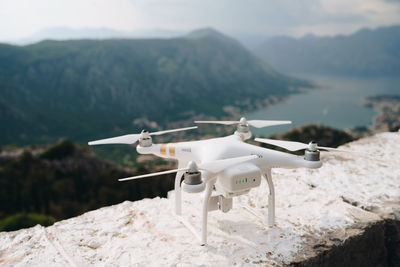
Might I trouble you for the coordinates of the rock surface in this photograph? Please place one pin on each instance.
(346, 212)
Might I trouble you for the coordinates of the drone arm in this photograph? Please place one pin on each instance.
(299, 161)
(159, 150)
(277, 159)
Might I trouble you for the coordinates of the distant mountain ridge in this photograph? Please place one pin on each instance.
(86, 89)
(366, 52)
(66, 33)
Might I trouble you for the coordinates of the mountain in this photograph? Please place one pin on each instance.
(66, 33)
(365, 53)
(87, 89)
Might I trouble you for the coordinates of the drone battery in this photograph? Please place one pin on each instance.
(239, 178)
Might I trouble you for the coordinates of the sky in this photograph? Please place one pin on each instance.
(23, 18)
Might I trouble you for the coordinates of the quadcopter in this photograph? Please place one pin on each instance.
(224, 167)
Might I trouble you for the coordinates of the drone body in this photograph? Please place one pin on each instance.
(222, 168)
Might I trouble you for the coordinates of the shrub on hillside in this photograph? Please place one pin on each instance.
(59, 151)
(25, 220)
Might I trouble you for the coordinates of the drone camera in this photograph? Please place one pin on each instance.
(219, 202)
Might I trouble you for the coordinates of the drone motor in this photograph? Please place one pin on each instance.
(312, 153)
(243, 129)
(145, 139)
(192, 182)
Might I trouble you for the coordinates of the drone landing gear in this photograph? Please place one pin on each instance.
(206, 199)
(189, 226)
(178, 192)
(271, 204)
(178, 208)
(271, 198)
(254, 213)
(207, 206)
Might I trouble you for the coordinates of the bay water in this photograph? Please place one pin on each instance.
(336, 101)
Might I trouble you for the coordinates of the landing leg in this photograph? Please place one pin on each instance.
(178, 193)
(271, 199)
(207, 195)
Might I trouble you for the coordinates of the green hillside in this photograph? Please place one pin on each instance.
(64, 180)
(88, 89)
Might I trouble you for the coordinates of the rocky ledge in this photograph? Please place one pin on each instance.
(345, 213)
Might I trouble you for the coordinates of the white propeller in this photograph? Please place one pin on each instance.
(254, 123)
(133, 138)
(215, 166)
(151, 174)
(294, 146)
(266, 123)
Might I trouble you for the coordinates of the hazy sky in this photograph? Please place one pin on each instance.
(22, 18)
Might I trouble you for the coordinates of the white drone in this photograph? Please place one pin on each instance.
(223, 167)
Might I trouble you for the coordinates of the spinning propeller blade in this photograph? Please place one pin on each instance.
(289, 145)
(218, 122)
(214, 166)
(174, 130)
(124, 139)
(254, 123)
(133, 138)
(295, 146)
(151, 174)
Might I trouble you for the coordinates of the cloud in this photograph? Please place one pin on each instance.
(21, 18)
(345, 17)
(271, 17)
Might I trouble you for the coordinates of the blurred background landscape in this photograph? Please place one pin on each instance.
(76, 71)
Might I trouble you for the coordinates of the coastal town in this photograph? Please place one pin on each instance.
(388, 108)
